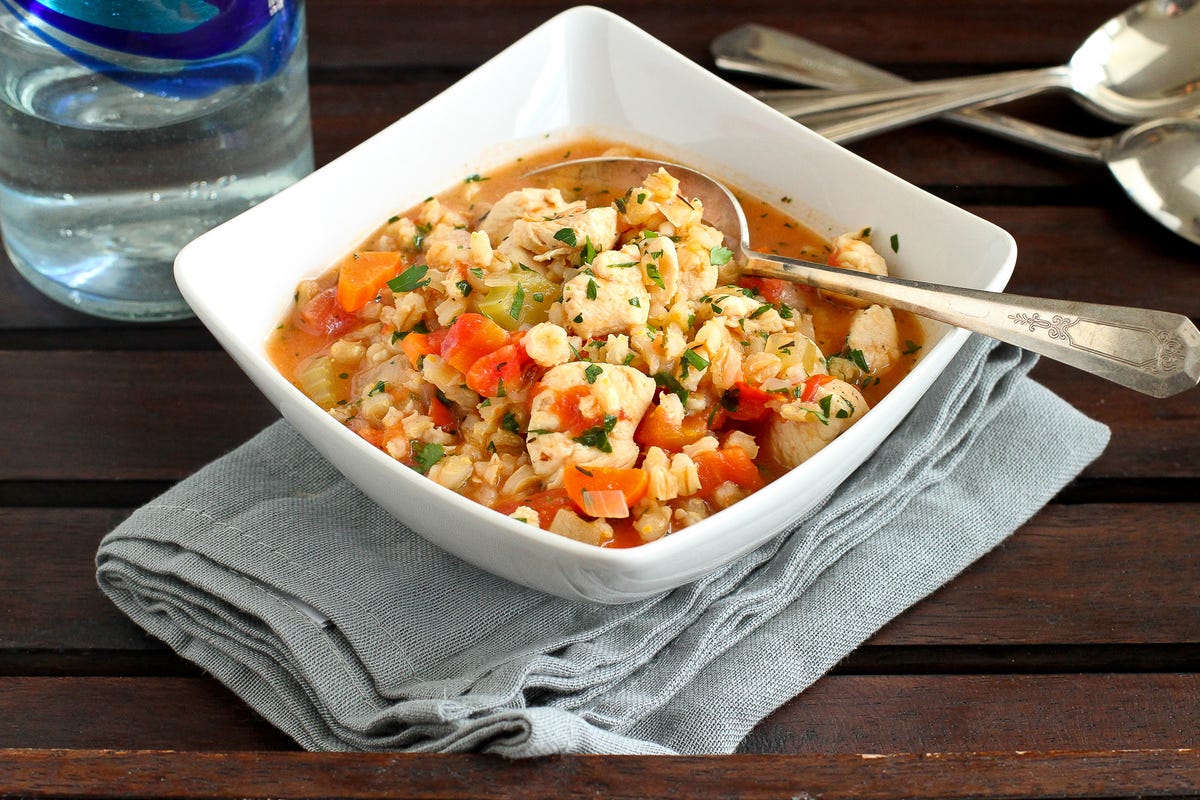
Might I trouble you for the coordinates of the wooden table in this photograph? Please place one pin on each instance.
(1064, 664)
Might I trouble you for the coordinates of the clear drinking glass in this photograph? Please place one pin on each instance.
(129, 127)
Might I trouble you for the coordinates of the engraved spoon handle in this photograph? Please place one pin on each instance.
(1154, 352)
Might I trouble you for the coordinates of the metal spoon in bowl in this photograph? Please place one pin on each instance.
(1155, 163)
(1139, 65)
(1154, 352)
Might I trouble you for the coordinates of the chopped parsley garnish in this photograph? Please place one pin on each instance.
(566, 236)
(636, 302)
(719, 255)
(895, 243)
(518, 301)
(592, 371)
(377, 388)
(419, 236)
(859, 360)
(578, 319)
(509, 423)
(393, 219)
(785, 311)
(477, 272)
(695, 359)
(653, 274)
(412, 278)
(758, 312)
(591, 289)
(910, 347)
(474, 178)
(668, 381)
(641, 198)
(464, 287)
(426, 454)
(597, 436)
(589, 251)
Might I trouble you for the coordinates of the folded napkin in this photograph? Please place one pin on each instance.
(349, 632)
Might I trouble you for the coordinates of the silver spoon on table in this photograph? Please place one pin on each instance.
(1141, 64)
(1154, 352)
(1156, 163)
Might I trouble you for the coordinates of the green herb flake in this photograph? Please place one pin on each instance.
(636, 302)
(592, 371)
(895, 243)
(419, 236)
(589, 251)
(392, 219)
(474, 178)
(464, 287)
(509, 423)
(477, 272)
(377, 388)
(653, 274)
(641, 198)
(597, 436)
(859, 360)
(695, 359)
(758, 312)
(591, 289)
(518, 301)
(668, 381)
(720, 256)
(412, 278)
(910, 347)
(566, 236)
(425, 455)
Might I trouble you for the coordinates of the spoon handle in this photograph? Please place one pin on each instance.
(1154, 352)
(964, 91)
(768, 52)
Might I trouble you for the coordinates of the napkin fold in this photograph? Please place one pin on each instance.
(349, 632)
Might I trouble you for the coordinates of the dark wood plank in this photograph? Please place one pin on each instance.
(839, 714)
(130, 713)
(414, 35)
(939, 713)
(122, 773)
(1118, 575)
(123, 415)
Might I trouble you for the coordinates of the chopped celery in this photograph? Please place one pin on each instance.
(519, 297)
(319, 380)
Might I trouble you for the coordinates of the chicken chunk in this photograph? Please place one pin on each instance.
(606, 299)
(545, 238)
(585, 414)
(851, 252)
(873, 333)
(802, 429)
(526, 203)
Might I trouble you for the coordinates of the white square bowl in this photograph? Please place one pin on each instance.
(583, 73)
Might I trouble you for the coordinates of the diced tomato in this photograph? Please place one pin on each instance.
(770, 289)
(745, 402)
(323, 316)
(605, 491)
(471, 337)
(566, 408)
(814, 382)
(546, 504)
(441, 415)
(730, 464)
(657, 430)
(501, 369)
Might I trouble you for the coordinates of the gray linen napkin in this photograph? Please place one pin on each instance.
(349, 632)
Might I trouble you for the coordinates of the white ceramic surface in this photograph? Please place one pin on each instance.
(584, 72)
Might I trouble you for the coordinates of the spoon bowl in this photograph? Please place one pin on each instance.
(1142, 64)
(1154, 162)
(1154, 352)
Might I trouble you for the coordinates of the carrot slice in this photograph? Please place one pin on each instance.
(362, 275)
(657, 430)
(605, 491)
